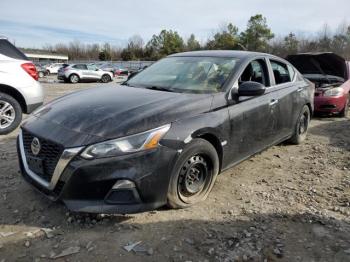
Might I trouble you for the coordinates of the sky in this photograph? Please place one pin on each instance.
(37, 23)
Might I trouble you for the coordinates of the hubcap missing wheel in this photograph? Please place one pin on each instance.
(193, 176)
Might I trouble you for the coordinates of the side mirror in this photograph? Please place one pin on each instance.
(251, 88)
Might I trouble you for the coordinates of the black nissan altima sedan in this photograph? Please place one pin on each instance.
(163, 136)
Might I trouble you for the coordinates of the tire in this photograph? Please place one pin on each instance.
(74, 78)
(41, 74)
(47, 72)
(12, 116)
(105, 78)
(345, 111)
(193, 175)
(301, 126)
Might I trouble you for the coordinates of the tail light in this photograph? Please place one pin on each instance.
(31, 70)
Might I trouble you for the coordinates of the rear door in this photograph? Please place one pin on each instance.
(287, 94)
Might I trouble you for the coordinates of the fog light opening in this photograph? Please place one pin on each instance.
(124, 184)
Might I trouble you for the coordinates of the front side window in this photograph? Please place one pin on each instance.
(280, 72)
(186, 74)
(92, 67)
(256, 71)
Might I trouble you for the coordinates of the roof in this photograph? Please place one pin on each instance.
(220, 53)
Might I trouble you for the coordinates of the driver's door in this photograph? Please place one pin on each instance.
(252, 119)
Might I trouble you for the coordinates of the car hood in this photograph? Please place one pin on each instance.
(320, 63)
(112, 112)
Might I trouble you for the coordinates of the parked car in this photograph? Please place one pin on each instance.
(20, 91)
(41, 70)
(330, 73)
(84, 72)
(53, 68)
(115, 69)
(163, 136)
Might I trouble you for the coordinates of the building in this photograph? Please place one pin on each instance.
(44, 56)
(47, 57)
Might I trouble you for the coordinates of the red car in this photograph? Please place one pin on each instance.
(330, 73)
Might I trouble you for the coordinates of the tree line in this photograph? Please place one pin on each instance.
(257, 36)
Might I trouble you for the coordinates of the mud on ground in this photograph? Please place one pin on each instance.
(289, 203)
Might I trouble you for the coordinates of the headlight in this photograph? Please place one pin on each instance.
(334, 92)
(129, 144)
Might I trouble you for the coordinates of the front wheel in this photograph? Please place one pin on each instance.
(41, 74)
(10, 114)
(105, 79)
(193, 175)
(301, 127)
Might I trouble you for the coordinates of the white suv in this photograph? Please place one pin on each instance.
(53, 68)
(84, 72)
(20, 90)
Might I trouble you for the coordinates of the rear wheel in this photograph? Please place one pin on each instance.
(10, 114)
(345, 111)
(41, 74)
(74, 78)
(105, 78)
(301, 126)
(47, 72)
(193, 175)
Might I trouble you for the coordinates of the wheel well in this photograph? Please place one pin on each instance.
(212, 139)
(310, 108)
(15, 94)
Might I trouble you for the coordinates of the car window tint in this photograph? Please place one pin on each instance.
(280, 72)
(9, 50)
(92, 67)
(82, 67)
(256, 71)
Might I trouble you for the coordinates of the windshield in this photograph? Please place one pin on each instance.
(186, 74)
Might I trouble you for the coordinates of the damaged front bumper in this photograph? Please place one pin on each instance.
(126, 184)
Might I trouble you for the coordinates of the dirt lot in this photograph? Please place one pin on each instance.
(290, 203)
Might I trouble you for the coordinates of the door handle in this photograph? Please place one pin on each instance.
(300, 89)
(273, 102)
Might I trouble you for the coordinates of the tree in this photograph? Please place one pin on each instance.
(257, 35)
(134, 50)
(227, 38)
(166, 43)
(192, 44)
(105, 53)
(291, 44)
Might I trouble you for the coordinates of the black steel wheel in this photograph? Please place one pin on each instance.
(301, 126)
(194, 174)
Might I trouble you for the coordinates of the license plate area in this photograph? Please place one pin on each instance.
(36, 165)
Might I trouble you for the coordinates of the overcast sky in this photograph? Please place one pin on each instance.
(38, 22)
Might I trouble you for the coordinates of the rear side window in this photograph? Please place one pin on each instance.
(280, 72)
(9, 50)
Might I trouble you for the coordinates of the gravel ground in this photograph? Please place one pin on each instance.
(289, 203)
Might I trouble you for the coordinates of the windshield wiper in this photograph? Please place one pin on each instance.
(159, 88)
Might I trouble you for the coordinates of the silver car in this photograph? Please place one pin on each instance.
(83, 72)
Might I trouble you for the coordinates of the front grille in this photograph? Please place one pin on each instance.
(50, 154)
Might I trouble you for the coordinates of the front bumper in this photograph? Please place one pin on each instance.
(329, 104)
(87, 185)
